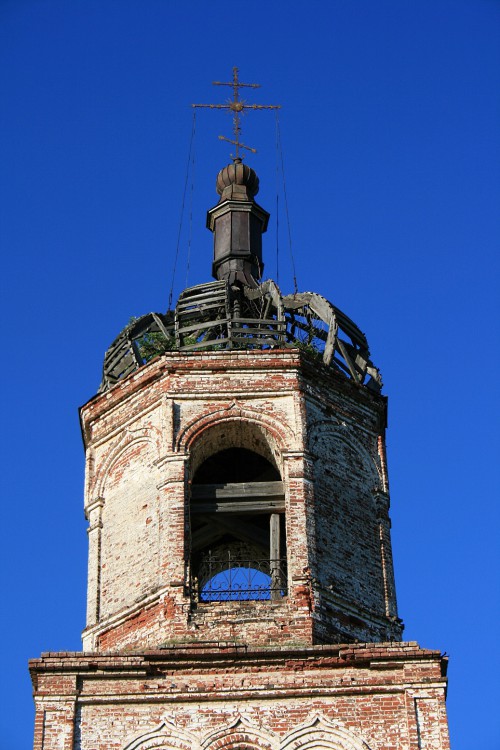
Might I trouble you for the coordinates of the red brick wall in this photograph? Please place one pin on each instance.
(388, 696)
(146, 437)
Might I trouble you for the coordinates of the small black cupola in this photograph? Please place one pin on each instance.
(237, 223)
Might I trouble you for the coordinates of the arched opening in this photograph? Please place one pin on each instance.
(237, 518)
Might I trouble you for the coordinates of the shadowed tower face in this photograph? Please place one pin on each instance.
(240, 578)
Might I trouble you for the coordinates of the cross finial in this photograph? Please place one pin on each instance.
(237, 106)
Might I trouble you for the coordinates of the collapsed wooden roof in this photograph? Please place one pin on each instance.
(219, 316)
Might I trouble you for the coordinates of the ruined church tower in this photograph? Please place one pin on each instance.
(240, 578)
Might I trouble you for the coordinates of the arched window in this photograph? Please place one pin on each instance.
(238, 546)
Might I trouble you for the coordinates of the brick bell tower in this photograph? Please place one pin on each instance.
(240, 581)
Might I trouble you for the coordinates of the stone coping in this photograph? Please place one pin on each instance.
(203, 651)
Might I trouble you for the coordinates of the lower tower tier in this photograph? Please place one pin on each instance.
(217, 696)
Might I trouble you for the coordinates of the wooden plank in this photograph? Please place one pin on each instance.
(331, 340)
(295, 301)
(321, 307)
(210, 294)
(231, 490)
(201, 315)
(274, 555)
(200, 304)
(259, 321)
(253, 505)
(203, 290)
(200, 326)
(340, 365)
(350, 364)
(204, 344)
(256, 330)
(274, 532)
(252, 341)
(308, 328)
(205, 285)
(351, 329)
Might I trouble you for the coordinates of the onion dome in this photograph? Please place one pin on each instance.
(237, 181)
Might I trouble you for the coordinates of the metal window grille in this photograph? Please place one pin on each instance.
(224, 577)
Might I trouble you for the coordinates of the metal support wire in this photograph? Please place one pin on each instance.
(277, 201)
(193, 131)
(280, 149)
(190, 233)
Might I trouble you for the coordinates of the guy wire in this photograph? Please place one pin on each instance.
(190, 234)
(277, 202)
(193, 130)
(286, 205)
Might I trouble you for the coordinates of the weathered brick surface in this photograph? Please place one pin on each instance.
(162, 671)
(387, 696)
(145, 439)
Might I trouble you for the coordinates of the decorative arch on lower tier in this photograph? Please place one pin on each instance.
(320, 734)
(166, 736)
(240, 734)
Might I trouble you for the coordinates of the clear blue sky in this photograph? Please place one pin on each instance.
(390, 133)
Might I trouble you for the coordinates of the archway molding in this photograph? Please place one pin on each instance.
(240, 734)
(338, 432)
(115, 453)
(231, 427)
(320, 734)
(166, 736)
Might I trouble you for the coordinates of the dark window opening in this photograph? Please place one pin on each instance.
(236, 465)
(238, 544)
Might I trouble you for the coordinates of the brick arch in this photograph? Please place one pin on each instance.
(241, 734)
(320, 734)
(233, 427)
(339, 433)
(166, 736)
(115, 453)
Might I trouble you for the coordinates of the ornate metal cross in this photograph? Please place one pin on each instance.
(237, 106)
